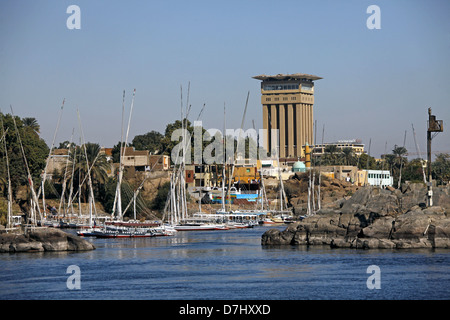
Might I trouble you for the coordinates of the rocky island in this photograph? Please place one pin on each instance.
(374, 218)
(42, 239)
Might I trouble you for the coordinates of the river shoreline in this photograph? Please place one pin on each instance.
(374, 218)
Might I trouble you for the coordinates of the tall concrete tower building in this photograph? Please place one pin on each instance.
(287, 101)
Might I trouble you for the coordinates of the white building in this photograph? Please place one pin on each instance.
(380, 178)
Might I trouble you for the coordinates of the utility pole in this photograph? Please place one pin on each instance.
(433, 126)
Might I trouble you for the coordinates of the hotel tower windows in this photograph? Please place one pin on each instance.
(287, 101)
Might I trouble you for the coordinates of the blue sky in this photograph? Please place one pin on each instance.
(376, 83)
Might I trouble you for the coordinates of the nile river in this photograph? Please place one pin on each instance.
(223, 265)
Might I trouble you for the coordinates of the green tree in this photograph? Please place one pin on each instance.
(35, 149)
(36, 152)
(32, 123)
(399, 162)
(66, 145)
(98, 172)
(400, 153)
(440, 168)
(413, 171)
(167, 143)
(367, 162)
(116, 152)
(108, 193)
(3, 212)
(348, 156)
(331, 154)
(161, 196)
(389, 162)
(151, 141)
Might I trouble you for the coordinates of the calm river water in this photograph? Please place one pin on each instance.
(223, 265)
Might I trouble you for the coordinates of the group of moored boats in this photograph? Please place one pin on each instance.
(176, 207)
(197, 222)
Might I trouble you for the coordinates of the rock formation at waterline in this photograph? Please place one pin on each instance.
(43, 239)
(374, 218)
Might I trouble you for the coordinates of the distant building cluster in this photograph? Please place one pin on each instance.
(287, 108)
(356, 146)
(133, 160)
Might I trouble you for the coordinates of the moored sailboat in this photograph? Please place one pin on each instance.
(118, 228)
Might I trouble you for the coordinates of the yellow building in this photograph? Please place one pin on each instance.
(246, 175)
(320, 149)
(288, 101)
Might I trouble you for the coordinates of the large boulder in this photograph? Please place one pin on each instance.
(429, 228)
(275, 237)
(372, 199)
(412, 194)
(357, 201)
(375, 218)
(315, 230)
(43, 239)
(441, 197)
(381, 229)
(18, 243)
(383, 203)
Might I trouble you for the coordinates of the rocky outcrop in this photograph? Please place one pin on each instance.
(43, 239)
(373, 218)
(333, 192)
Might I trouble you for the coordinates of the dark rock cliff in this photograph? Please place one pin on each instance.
(374, 218)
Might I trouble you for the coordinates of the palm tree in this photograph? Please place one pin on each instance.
(331, 154)
(389, 160)
(366, 162)
(400, 160)
(99, 166)
(399, 152)
(348, 156)
(32, 124)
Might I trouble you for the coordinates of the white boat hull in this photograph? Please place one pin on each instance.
(199, 227)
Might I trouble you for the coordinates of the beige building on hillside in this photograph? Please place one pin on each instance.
(57, 163)
(288, 101)
(142, 160)
(320, 149)
(135, 158)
